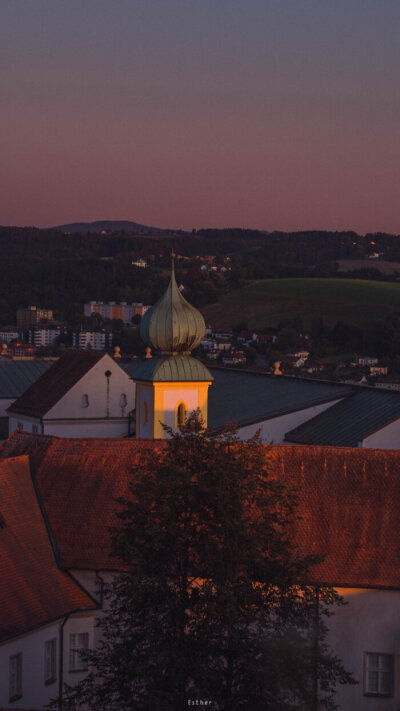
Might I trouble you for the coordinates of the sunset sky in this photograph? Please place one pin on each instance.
(272, 114)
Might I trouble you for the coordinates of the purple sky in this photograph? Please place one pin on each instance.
(273, 114)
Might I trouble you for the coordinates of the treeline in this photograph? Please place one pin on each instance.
(63, 271)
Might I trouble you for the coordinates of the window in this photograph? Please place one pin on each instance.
(85, 401)
(378, 679)
(15, 679)
(123, 401)
(181, 414)
(50, 661)
(145, 413)
(20, 425)
(35, 429)
(78, 643)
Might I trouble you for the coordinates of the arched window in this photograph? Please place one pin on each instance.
(123, 401)
(181, 414)
(145, 413)
(85, 401)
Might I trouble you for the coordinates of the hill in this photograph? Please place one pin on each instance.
(106, 226)
(265, 303)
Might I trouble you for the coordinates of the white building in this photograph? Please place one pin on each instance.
(141, 263)
(84, 394)
(43, 335)
(123, 311)
(98, 339)
(9, 333)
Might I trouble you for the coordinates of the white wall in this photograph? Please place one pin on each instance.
(146, 395)
(35, 693)
(173, 397)
(386, 438)
(369, 623)
(4, 403)
(117, 427)
(275, 429)
(94, 384)
(87, 428)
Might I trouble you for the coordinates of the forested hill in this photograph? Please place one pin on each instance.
(62, 271)
(107, 226)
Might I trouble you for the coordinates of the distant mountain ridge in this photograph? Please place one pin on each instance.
(106, 226)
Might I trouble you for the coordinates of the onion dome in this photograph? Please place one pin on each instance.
(172, 326)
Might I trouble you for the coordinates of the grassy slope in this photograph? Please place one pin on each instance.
(266, 302)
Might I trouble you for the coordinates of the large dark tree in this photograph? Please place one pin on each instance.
(213, 604)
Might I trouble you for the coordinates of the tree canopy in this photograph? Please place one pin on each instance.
(213, 602)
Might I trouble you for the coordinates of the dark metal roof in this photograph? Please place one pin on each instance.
(248, 397)
(350, 421)
(172, 369)
(16, 376)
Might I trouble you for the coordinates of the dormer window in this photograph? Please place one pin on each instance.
(85, 401)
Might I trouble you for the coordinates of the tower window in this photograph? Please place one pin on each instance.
(85, 401)
(181, 414)
(123, 400)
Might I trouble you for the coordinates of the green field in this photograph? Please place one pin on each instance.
(265, 303)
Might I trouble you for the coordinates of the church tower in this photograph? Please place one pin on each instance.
(170, 383)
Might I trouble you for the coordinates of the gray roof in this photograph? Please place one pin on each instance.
(348, 422)
(16, 376)
(182, 368)
(248, 397)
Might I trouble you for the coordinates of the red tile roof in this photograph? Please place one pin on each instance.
(55, 383)
(349, 502)
(33, 590)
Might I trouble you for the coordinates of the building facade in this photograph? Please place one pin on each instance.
(123, 311)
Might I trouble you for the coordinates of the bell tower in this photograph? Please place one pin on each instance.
(170, 383)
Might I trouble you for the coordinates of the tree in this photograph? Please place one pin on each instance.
(211, 603)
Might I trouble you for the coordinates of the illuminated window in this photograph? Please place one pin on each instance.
(378, 678)
(85, 401)
(145, 413)
(181, 414)
(78, 643)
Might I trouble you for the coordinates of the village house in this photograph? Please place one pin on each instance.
(367, 360)
(378, 370)
(83, 394)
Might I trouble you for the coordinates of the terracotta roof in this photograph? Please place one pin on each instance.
(33, 590)
(55, 383)
(349, 501)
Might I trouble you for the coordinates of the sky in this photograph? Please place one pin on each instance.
(266, 114)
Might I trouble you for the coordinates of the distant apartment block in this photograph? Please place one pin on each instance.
(97, 339)
(123, 311)
(44, 334)
(32, 315)
(9, 333)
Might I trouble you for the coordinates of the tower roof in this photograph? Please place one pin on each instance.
(172, 326)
